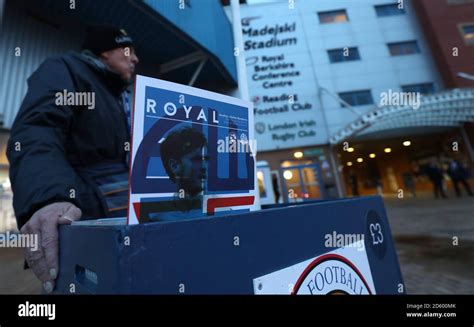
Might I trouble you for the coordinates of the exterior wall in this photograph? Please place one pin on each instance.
(440, 21)
(377, 70)
(36, 39)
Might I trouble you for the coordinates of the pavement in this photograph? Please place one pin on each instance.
(13, 278)
(425, 231)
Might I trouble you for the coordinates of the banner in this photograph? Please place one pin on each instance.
(193, 153)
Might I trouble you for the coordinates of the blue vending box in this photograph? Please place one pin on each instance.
(330, 247)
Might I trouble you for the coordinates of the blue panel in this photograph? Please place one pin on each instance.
(201, 254)
(162, 32)
(206, 22)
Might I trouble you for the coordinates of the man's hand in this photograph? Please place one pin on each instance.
(44, 223)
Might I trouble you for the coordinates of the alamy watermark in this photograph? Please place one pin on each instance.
(17, 240)
(339, 240)
(28, 309)
(83, 99)
(233, 145)
(394, 98)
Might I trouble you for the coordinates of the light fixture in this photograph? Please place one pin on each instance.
(372, 155)
(406, 143)
(387, 150)
(349, 163)
(360, 160)
(298, 154)
(260, 175)
(288, 175)
(350, 149)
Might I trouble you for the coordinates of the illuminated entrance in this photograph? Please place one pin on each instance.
(399, 149)
(301, 182)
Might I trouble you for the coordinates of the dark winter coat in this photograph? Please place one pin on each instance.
(51, 144)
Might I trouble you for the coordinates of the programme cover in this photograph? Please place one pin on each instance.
(193, 153)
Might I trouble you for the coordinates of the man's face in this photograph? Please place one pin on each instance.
(121, 61)
(191, 171)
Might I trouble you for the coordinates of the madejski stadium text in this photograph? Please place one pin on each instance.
(273, 31)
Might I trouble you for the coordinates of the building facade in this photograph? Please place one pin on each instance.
(314, 69)
(449, 29)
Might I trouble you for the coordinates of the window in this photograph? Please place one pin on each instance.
(335, 16)
(424, 88)
(403, 48)
(389, 10)
(467, 33)
(357, 98)
(344, 54)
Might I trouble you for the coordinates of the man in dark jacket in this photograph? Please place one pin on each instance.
(69, 144)
(459, 175)
(435, 174)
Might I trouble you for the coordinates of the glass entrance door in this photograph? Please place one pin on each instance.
(302, 183)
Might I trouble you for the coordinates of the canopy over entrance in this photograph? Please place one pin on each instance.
(436, 112)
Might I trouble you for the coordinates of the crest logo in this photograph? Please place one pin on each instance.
(331, 274)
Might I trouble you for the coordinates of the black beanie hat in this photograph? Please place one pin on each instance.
(100, 38)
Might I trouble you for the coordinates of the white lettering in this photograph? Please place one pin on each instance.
(37, 310)
(150, 105)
